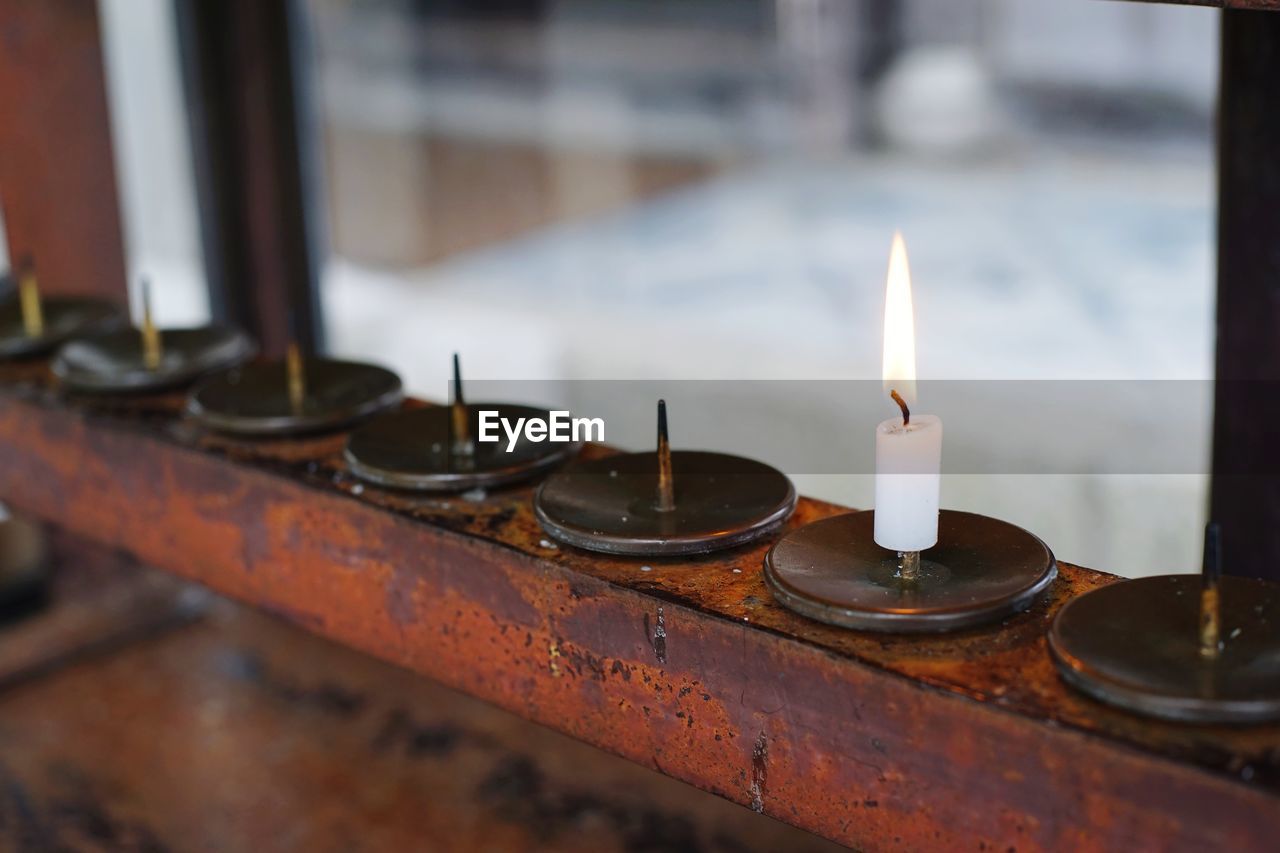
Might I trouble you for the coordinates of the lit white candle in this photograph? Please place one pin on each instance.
(908, 446)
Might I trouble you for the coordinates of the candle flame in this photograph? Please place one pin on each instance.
(899, 366)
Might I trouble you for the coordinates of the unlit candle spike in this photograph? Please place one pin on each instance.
(29, 300)
(152, 349)
(296, 373)
(1210, 603)
(462, 445)
(666, 487)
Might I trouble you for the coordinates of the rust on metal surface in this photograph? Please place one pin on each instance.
(273, 728)
(686, 666)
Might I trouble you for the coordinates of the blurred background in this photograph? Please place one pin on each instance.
(707, 189)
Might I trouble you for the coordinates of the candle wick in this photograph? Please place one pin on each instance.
(902, 404)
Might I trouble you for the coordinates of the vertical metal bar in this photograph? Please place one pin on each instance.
(243, 67)
(1246, 434)
(57, 172)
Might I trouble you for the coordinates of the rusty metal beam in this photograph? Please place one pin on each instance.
(57, 175)
(688, 667)
(335, 746)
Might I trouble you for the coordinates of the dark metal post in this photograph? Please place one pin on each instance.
(1246, 434)
(241, 66)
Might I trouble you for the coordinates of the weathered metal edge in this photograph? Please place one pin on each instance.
(839, 747)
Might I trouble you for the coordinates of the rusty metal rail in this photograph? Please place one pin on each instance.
(123, 745)
(687, 666)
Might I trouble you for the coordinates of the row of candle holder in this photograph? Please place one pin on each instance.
(1177, 647)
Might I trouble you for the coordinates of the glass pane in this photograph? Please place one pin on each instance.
(707, 189)
(153, 158)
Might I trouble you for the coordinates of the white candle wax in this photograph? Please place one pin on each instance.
(908, 477)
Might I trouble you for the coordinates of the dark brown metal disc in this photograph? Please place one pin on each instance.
(112, 362)
(411, 450)
(254, 400)
(982, 569)
(609, 504)
(1136, 644)
(65, 317)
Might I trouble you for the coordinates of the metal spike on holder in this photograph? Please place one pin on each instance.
(435, 449)
(148, 358)
(664, 502)
(33, 324)
(295, 395)
(1196, 649)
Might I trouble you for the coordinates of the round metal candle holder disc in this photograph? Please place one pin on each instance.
(254, 400)
(608, 504)
(64, 318)
(412, 450)
(113, 362)
(1136, 644)
(982, 569)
